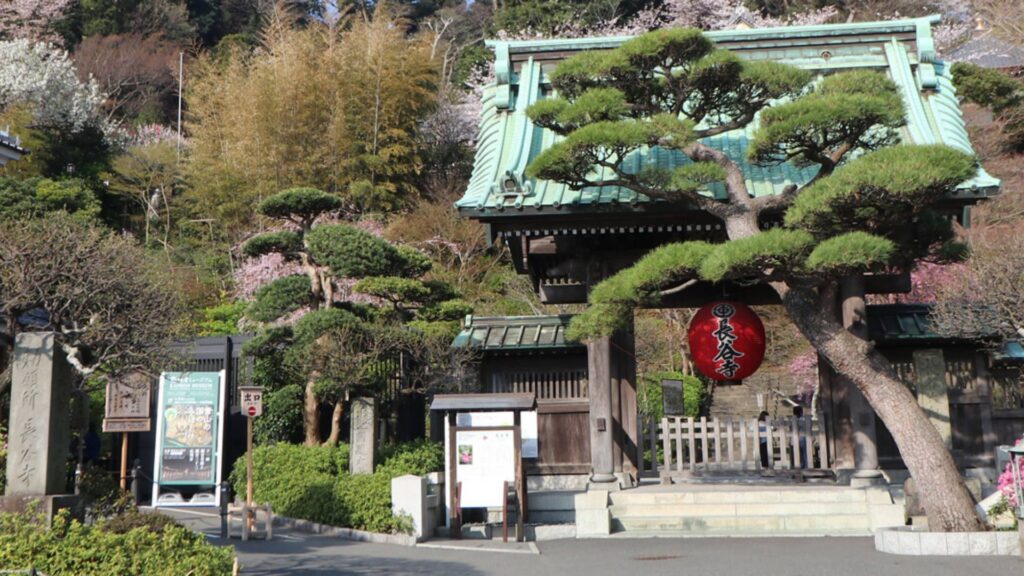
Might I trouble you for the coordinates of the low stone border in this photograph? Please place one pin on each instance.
(344, 533)
(907, 541)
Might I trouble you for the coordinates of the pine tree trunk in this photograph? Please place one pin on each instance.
(946, 501)
(311, 413)
(335, 437)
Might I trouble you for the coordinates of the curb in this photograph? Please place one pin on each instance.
(909, 542)
(344, 533)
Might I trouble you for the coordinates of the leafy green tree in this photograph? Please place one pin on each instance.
(997, 92)
(36, 196)
(340, 345)
(872, 211)
(549, 16)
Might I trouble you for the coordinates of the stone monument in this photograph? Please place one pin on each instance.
(38, 439)
(362, 440)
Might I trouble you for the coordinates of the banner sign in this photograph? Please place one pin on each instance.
(189, 430)
(484, 460)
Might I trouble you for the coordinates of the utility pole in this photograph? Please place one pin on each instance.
(181, 78)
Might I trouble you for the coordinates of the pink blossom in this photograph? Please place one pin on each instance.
(1005, 482)
(804, 370)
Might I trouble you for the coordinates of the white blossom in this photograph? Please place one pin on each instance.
(43, 76)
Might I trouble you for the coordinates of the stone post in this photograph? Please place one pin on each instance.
(862, 416)
(409, 498)
(932, 392)
(362, 438)
(39, 436)
(599, 364)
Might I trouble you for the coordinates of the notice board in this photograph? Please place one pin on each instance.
(485, 460)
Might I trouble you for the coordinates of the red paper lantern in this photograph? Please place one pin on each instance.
(726, 341)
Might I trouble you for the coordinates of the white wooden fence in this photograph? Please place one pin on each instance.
(678, 444)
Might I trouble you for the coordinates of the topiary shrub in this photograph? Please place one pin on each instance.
(280, 297)
(69, 548)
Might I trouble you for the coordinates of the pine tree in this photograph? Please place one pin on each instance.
(339, 345)
(871, 205)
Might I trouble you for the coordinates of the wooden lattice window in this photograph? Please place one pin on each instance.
(960, 370)
(547, 385)
(906, 372)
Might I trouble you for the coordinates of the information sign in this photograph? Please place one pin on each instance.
(484, 460)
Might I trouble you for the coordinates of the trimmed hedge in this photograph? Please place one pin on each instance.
(69, 548)
(313, 483)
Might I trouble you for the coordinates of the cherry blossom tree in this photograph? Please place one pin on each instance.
(43, 77)
(31, 19)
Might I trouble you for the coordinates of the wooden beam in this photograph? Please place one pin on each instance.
(887, 283)
(563, 293)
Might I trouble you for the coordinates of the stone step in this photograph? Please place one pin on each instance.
(820, 525)
(561, 500)
(752, 496)
(735, 510)
(536, 516)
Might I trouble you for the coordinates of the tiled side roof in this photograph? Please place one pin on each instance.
(901, 323)
(509, 141)
(10, 148)
(515, 333)
(910, 324)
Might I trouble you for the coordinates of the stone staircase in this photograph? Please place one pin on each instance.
(751, 511)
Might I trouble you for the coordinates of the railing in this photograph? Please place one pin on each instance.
(677, 445)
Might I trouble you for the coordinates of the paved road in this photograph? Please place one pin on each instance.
(297, 554)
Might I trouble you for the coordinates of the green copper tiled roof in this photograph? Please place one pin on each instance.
(508, 141)
(910, 324)
(901, 323)
(515, 333)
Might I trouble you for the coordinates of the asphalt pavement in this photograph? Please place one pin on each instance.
(296, 553)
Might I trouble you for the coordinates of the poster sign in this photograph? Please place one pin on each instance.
(527, 426)
(189, 428)
(127, 405)
(484, 460)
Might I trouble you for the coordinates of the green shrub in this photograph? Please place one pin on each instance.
(649, 396)
(131, 519)
(102, 495)
(313, 483)
(280, 297)
(69, 548)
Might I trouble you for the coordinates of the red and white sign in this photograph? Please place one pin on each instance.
(727, 340)
(251, 398)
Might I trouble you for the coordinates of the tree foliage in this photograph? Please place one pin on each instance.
(998, 92)
(869, 206)
(335, 108)
(38, 75)
(341, 346)
(113, 308)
